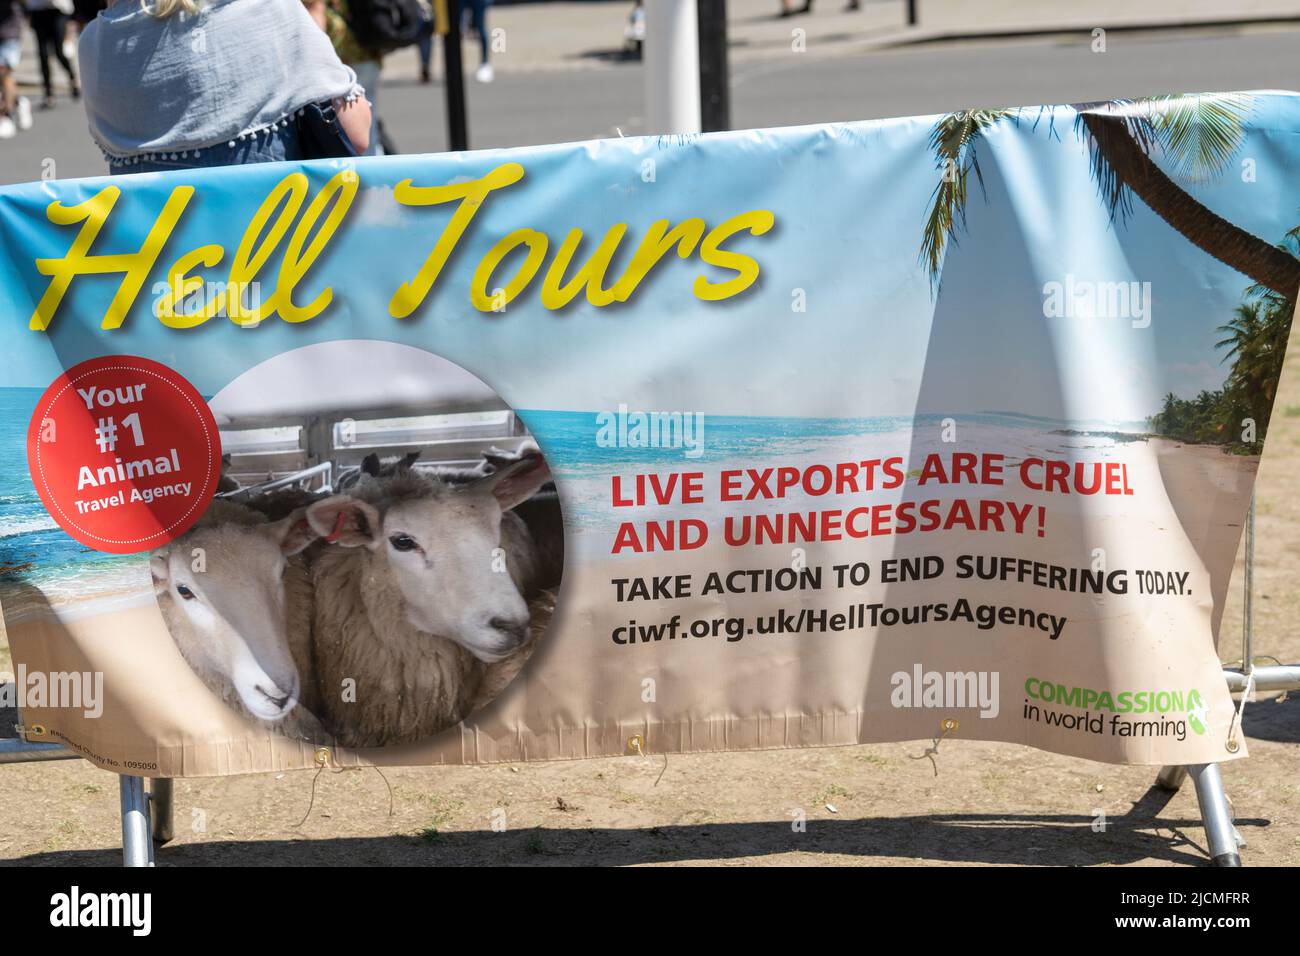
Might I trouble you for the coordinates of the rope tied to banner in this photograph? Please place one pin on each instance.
(323, 760)
(1282, 695)
(1232, 744)
(947, 726)
(635, 743)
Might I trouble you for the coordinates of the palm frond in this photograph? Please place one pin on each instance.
(1134, 121)
(1198, 134)
(1243, 331)
(953, 141)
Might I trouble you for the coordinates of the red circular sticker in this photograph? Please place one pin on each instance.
(124, 453)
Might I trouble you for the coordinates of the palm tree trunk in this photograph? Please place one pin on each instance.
(1248, 254)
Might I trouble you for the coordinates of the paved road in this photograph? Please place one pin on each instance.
(562, 105)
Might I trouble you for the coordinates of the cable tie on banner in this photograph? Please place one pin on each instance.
(948, 725)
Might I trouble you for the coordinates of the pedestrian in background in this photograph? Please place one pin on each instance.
(47, 20)
(154, 103)
(15, 111)
(424, 45)
(332, 17)
(477, 11)
(83, 11)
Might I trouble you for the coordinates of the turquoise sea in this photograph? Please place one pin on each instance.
(32, 547)
(569, 438)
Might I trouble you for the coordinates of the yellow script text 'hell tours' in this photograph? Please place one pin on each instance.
(310, 230)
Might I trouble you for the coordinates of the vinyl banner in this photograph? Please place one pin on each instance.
(941, 427)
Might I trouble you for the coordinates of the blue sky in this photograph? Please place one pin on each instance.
(849, 201)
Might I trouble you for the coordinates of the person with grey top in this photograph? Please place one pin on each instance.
(181, 84)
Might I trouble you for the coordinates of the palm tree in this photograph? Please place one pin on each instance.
(1197, 134)
(1246, 336)
(1167, 420)
(1256, 342)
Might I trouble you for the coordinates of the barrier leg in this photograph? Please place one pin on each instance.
(1171, 778)
(1220, 834)
(135, 822)
(160, 811)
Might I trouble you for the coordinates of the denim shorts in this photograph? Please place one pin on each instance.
(11, 51)
(268, 146)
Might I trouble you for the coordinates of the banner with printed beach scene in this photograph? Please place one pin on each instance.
(930, 428)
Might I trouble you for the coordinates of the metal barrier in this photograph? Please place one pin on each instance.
(17, 750)
(146, 815)
(1222, 836)
(325, 469)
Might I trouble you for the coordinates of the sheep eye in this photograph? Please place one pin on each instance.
(403, 542)
(185, 592)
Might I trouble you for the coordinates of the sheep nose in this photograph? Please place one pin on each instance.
(278, 701)
(516, 630)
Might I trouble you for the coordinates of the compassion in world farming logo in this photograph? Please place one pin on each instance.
(1162, 706)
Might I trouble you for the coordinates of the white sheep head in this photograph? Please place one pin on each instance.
(443, 546)
(225, 579)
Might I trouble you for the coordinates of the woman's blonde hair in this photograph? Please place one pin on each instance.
(165, 8)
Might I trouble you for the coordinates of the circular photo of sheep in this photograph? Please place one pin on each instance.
(383, 553)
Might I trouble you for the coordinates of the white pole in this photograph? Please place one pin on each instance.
(1220, 834)
(672, 67)
(1247, 617)
(135, 822)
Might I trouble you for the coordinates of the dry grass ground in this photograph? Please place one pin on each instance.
(988, 803)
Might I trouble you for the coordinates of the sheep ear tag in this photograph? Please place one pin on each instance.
(345, 521)
(339, 522)
(124, 453)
